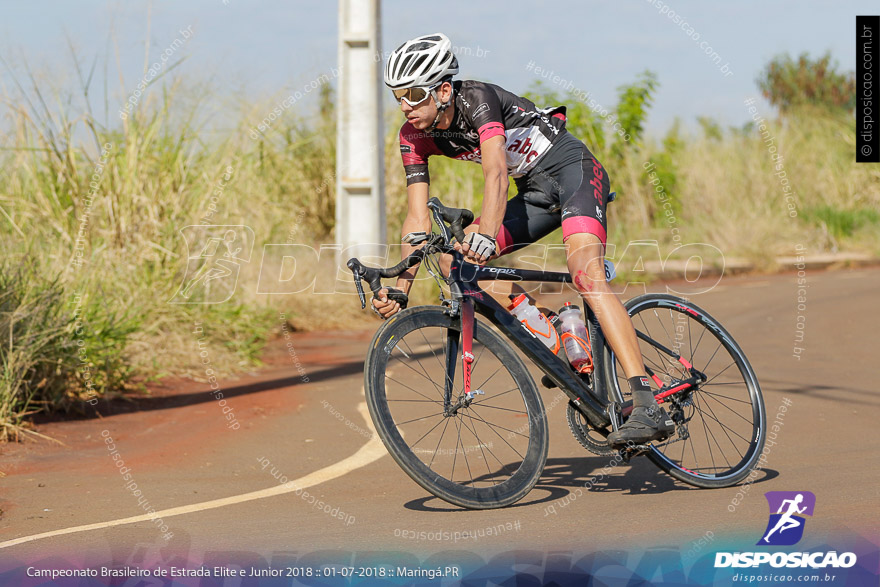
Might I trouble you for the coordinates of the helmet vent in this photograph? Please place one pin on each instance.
(432, 62)
(419, 60)
(419, 47)
(404, 64)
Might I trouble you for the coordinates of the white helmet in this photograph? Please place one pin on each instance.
(421, 62)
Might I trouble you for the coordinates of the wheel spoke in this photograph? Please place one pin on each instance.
(690, 339)
(721, 450)
(665, 370)
(418, 419)
(708, 396)
(708, 444)
(669, 338)
(491, 425)
(720, 372)
(480, 386)
(423, 375)
(481, 444)
(427, 399)
(715, 393)
(437, 448)
(706, 367)
(482, 405)
(720, 423)
(697, 346)
(495, 396)
(479, 356)
(492, 428)
(434, 427)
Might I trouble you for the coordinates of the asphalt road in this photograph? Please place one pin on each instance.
(308, 424)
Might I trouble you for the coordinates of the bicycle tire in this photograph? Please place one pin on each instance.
(749, 459)
(529, 471)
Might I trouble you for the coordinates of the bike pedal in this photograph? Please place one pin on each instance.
(635, 450)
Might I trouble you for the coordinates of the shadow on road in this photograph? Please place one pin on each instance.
(562, 478)
(835, 393)
(129, 404)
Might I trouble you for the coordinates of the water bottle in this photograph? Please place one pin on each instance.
(535, 321)
(575, 338)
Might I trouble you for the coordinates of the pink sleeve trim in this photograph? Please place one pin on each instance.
(489, 130)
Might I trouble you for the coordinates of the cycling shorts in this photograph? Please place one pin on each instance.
(567, 188)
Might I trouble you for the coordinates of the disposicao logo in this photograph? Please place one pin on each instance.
(785, 528)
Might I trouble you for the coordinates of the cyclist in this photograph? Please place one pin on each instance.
(559, 182)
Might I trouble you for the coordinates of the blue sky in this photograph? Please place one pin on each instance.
(259, 48)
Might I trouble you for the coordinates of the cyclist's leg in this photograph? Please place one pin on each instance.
(586, 256)
(584, 231)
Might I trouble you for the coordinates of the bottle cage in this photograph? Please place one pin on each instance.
(586, 367)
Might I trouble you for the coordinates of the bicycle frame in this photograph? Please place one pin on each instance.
(471, 298)
(468, 298)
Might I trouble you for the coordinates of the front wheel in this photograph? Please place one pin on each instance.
(720, 425)
(490, 451)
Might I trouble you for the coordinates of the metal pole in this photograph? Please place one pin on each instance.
(360, 161)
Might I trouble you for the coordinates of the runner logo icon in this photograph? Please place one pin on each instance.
(787, 511)
(215, 254)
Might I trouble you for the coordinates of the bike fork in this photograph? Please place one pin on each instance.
(467, 340)
(467, 358)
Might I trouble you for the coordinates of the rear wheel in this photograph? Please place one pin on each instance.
(489, 452)
(720, 425)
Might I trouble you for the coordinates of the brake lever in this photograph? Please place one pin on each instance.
(356, 272)
(444, 229)
(360, 290)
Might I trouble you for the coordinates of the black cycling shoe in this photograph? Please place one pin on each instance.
(643, 425)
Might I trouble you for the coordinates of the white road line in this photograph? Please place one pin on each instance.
(373, 450)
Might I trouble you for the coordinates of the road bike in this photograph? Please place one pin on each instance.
(459, 412)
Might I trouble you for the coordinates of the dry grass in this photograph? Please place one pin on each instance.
(159, 172)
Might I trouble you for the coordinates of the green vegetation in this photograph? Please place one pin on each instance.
(841, 223)
(91, 215)
(788, 83)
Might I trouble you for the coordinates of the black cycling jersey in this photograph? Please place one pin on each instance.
(570, 187)
(482, 111)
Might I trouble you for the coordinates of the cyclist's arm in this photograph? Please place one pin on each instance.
(487, 118)
(418, 218)
(494, 159)
(415, 148)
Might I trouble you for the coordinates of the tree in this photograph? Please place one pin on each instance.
(788, 83)
(633, 102)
